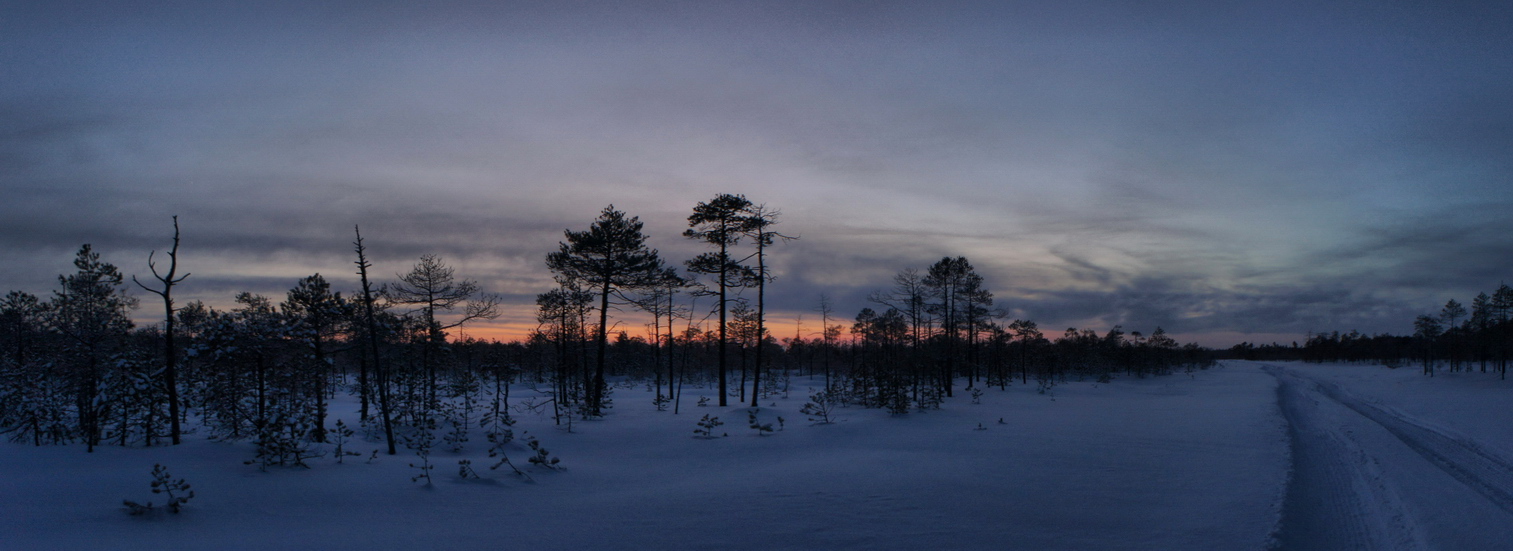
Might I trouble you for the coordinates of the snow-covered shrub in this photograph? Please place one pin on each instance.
(372, 429)
(340, 436)
(821, 407)
(456, 437)
(133, 402)
(498, 422)
(458, 412)
(283, 441)
(707, 425)
(420, 440)
(499, 440)
(465, 470)
(930, 398)
(762, 429)
(542, 457)
(178, 492)
(1045, 383)
(897, 401)
(35, 408)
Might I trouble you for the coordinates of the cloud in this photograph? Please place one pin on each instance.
(1215, 167)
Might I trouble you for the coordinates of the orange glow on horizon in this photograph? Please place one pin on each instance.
(516, 328)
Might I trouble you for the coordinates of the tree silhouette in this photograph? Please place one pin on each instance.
(170, 355)
(1480, 324)
(957, 287)
(90, 311)
(1449, 314)
(1502, 306)
(315, 315)
(29, 406)
(659, 302)
(370, 321)
(1427, 329)
(611, 257)
(759, 229)
(721, 222)
(433, 287)
(562, 311)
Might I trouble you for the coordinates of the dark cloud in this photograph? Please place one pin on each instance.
(1209, 167)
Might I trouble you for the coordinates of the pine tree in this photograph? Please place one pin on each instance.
(178, 491)
(339, 436)
(1427, 329)
(315, 315)
(760, 222)
(610, 257)
(707, 425)
(432, 287)
(91, 313)
(721, 222)
(1450, 314)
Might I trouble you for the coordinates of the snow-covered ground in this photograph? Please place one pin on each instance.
(1378, 458)
(1390, 459)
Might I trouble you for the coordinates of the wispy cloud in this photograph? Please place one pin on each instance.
(1205, 167)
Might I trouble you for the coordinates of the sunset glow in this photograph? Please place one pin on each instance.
(1224, 171)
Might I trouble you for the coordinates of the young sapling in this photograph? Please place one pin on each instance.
(821, 408)
(340, 436)
(178, 492)
(762, 429)
(542, 457)
(707, 425)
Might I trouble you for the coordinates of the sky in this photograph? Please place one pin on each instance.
(1225, 170)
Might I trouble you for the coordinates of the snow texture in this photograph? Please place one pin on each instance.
(1244, 456)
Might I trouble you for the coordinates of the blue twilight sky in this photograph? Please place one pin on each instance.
(1227, 170)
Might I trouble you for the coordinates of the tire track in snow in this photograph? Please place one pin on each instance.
(1325, 505)
(1486, 473)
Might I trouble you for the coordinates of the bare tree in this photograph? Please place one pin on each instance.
(371, 322)
(760, 223)
(828, 335)
(170, 355)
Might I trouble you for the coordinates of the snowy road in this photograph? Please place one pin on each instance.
(1366, 476)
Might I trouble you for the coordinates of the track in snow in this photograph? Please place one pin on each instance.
(1487, 474)
(1337, 497)
(1334, 497)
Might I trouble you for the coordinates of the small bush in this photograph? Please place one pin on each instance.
(707, 425)
(178, 492)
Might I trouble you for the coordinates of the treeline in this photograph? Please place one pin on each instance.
(1454, 339)
(73, 368)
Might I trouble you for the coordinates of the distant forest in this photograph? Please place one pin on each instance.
(73, 368)
(1453, 339)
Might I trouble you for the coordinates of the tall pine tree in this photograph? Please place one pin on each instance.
(610, 257)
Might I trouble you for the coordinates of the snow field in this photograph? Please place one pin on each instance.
(1177, 462)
